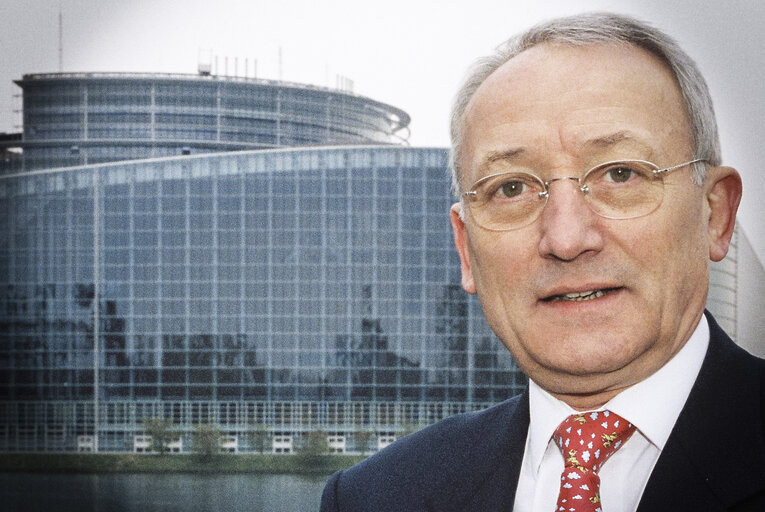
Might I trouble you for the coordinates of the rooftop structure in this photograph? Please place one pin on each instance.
(82, 118)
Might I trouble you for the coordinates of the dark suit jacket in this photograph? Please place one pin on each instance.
(714, 458)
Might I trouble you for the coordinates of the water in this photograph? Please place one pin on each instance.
(160, 492)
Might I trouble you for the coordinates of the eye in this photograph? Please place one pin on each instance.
(619, 174)
(511, 188)
(507, 188)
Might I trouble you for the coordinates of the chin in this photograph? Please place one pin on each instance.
(588, 359)
(579, 376)
(592, 366)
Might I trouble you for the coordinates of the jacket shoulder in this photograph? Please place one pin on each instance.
(423, 467)
(715, 455)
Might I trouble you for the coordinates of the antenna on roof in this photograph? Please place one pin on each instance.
(343, 83)
(60, 39)
(204, 61)
(280, 62)
(247, 73)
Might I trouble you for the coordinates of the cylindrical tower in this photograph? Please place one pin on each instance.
(83, 118)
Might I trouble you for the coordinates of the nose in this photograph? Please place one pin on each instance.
(569, 228)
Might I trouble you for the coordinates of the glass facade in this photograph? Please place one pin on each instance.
(74, 119)
(303, 276)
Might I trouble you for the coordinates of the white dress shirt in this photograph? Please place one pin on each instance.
(652, 405)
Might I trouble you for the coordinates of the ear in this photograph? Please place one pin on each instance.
(460, 240)
(723, 196)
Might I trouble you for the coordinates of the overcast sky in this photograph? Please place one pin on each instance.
(411, 54)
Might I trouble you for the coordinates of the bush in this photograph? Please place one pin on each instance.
(411, 428)
(260, 438)
(313, 450)
(159, 430)
(205, 441)
(362, 438)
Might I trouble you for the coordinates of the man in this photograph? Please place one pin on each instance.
(592, 199)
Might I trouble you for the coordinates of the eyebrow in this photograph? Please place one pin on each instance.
(508, 154)
(600, 142)
(612, 139)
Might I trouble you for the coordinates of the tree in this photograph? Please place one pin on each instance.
(362, 438)
(410, 428)
(313, 449)
(260, 438)
(159, 430)
(205, 441)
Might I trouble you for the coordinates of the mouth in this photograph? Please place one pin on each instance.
(580, 296)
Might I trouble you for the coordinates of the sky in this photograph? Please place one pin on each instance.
(408, 53)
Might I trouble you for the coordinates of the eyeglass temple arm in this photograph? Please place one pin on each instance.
(668, 169)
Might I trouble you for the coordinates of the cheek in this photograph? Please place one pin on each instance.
(688, 233)
(501, 263)
(672, 249)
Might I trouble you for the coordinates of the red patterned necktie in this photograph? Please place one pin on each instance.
(586, 441)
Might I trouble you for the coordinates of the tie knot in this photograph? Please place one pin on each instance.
(588, 439)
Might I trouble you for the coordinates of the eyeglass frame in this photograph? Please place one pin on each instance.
(582, 188)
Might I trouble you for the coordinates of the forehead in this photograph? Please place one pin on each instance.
(551, 99)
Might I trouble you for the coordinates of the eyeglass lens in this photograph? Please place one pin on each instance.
(616, 190)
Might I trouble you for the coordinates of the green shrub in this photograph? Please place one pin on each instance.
(205, 441)
(159, 430)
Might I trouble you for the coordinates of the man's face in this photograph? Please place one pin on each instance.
(558, 111)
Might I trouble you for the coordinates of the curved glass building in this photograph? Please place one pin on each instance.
(321, 283)
(83, 118)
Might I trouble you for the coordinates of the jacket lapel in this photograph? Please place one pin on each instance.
(715, 455)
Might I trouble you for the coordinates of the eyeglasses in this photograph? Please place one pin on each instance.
(623, 189)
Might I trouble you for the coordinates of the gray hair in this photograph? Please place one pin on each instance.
(602, 28)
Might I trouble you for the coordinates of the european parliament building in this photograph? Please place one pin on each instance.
(250, 254)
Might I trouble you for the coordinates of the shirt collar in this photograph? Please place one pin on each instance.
(666, 391)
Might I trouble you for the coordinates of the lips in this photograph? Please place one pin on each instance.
(579, 296)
